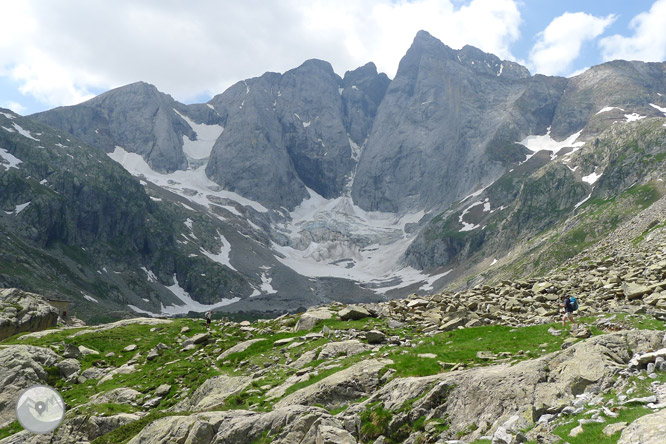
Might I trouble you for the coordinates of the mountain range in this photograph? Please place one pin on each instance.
(290, 190)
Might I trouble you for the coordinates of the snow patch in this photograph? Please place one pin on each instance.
(633, 117)
(582, 201)
(224, 256)
(266, 286)
(306, 124)
(138, 310)
(9, 116)
(591, 178)
(188, 223)
(23, 132)
(189, 303)
(90, 298)
(11, 130)
(206, 137)
(7, 158)
(573, 170)
(149, 275)
(608, 108)
(659, 108)
(494, 262)
(18, 209)
(428, 286)
(547, 143)
(467, 226)
(181, 182)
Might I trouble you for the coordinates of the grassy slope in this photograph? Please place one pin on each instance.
(185, 371)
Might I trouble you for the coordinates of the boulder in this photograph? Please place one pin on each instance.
(71, 351)
(340, 388)
(347, 348)
(122, 395)
(22, 312)
(309, 319)
(197, 339)
(649, 429)
(69, 369)
(163, 390)
(240, 347)
(213, 392)
(353, 312)
(633, 291)
(375, 337)
(612, 429)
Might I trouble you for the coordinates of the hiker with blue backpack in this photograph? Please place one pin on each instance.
(569, 304)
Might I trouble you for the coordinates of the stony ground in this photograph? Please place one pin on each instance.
(488, 364)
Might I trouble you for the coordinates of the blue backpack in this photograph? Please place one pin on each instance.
(573, 303)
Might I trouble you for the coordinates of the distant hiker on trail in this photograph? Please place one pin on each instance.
(569, 304)
(209, 315)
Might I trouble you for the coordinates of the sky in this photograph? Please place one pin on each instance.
(56, 53)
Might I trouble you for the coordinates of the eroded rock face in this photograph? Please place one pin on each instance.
(21, 366)
(22, 312)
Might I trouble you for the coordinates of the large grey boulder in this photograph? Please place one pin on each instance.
(649, 429)
(340, 388)
(22, 312)
(310, 318)
(342, 348)
(353, 312)
(240, 347)
(69, 369)
(213, 392)
(122, 395)
(21, 366)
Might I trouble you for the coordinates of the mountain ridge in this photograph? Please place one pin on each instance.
(305, 182)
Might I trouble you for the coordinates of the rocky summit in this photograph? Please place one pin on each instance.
(488, 364)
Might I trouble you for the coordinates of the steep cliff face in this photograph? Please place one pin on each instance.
(445, 127)
(300, 129)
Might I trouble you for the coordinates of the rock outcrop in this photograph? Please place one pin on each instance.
(22, 312)
(21, 366)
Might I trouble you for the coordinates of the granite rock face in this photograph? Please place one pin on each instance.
(428, 145)
(299, 129)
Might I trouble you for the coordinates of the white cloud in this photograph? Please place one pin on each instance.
(62, 52)
(14, 106)
(560, 43)
(648, 42)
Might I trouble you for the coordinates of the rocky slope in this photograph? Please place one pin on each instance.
(490, 364)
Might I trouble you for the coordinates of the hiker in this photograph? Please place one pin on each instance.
(209, 315)
(569, 305)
